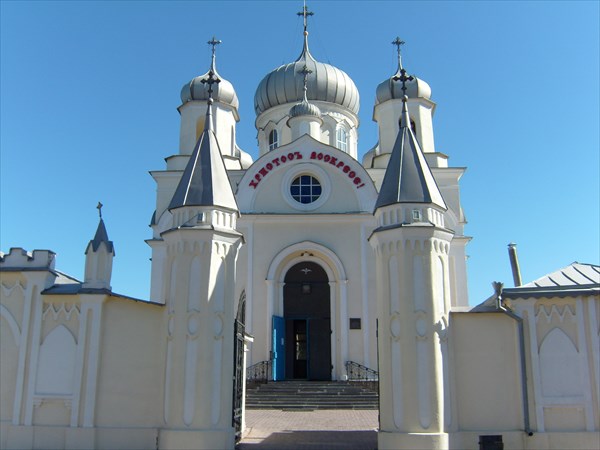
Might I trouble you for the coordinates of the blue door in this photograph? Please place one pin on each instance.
(278, 348)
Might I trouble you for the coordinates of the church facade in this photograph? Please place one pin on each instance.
(326, 260)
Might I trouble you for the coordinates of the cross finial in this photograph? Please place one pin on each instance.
(214, 42)
(305, 71)
(402, 77)
(99, 207)
(212, 77)
(305, 13)
(399, 43)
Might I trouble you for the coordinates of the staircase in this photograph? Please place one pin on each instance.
(310, 395)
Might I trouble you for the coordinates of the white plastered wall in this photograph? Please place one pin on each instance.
(487, 373)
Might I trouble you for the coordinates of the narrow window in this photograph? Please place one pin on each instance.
(413, 127)
(273, 140)
(341, 138)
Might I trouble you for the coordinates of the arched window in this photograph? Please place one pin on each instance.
(413, 127)
(273, 140)
(341, 139)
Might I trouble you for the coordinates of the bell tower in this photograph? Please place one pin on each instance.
(387, 112)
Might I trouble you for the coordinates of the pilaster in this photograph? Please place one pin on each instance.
(412, 305)
(200, 315)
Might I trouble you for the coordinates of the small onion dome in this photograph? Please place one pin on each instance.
(305, 109)
(391, 89)
(223, 91)
(326, 83)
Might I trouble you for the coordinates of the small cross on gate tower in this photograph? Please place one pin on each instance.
(402, 77)
(99, 207)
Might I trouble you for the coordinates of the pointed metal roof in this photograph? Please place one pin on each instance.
(204, 181)
(408, 178)
(100, 237)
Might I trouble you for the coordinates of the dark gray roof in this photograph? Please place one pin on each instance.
(204, 181)
(408, 178)
(551, 291)
(75, 289)
(101, 237)
(67, 285)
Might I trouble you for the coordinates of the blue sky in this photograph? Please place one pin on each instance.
(89, 92)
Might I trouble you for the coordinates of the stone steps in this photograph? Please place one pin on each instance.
(310, 395)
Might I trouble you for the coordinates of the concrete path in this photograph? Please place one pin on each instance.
(310, 430)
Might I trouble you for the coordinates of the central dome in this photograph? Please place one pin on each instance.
(326, 83)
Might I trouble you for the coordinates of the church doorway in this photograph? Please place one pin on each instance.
(306, 312)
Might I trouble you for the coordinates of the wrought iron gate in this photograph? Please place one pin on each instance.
(239, 332)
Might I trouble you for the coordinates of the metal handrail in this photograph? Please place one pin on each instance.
(358, 372)
(259, 372)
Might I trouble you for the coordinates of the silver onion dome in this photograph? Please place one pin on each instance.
(392, 89)
(326, 83)
(223, 92)
(305, 108)
(197, 88)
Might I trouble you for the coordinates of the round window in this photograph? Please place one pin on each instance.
(305, 189)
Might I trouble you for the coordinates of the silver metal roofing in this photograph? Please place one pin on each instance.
(392, 87)
(222, 91)
(576, 274)
(305, 108)
(204, 181)
(574, 280)
(325, 83)
(100, 237)
(408, 178)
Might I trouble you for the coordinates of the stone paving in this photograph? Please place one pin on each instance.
(310, 430)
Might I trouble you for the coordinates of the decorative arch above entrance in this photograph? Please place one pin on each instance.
(306, 250)
(332, 278)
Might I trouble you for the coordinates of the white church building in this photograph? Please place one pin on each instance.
(324, 260)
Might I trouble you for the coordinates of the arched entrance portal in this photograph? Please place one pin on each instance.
(306, 311)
